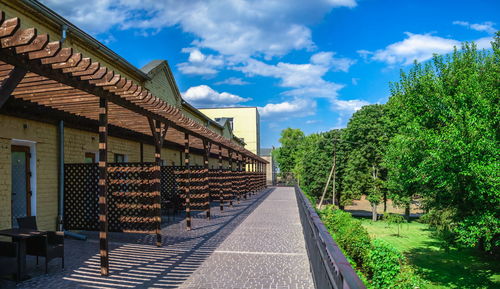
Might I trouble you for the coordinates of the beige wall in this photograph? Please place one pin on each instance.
(269, 169)
(246, 123)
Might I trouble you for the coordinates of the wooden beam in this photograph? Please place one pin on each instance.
(10, 83)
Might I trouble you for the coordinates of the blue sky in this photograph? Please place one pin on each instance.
(305, 64)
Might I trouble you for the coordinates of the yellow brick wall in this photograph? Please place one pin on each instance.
(76, 144)
(5, 182)
(45, 136)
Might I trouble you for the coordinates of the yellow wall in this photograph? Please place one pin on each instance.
(45, 136)
(76, 144)
(245, 123)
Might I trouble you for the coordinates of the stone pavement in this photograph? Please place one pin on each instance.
(255, 244)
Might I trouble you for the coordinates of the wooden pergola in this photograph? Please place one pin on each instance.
(43, 72)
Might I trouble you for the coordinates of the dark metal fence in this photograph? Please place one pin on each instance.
(329, 266)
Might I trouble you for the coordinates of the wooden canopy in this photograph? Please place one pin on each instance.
(39, 71)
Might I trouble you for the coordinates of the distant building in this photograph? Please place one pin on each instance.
(245, 122)
(266, 153)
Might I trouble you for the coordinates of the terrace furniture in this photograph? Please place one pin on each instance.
(50, 246)
(21, 236)
(9, 263)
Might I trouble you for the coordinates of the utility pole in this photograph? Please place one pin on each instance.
(334, 172)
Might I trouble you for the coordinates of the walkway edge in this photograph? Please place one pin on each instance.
(329, 266)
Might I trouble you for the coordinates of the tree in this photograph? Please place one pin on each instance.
(367, 135)
(286, 154)
(447, 144)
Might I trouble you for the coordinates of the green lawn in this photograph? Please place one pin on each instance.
(466, 268)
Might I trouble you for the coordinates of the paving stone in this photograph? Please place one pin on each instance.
(257, 243)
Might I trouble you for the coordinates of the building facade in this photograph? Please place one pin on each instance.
(45, 124)
(245, 122)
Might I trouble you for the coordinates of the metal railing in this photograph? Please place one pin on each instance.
(329, 266)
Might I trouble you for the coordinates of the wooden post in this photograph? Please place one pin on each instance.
(206, 146)
(103, 186)
(158, 138)
(230, 177)
(221, 187)
(244, 176)
(238, 177)
(188, 182)
(158, 145)
(141, 150)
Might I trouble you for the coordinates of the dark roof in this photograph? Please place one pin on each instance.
(151, 65)
(264, 152)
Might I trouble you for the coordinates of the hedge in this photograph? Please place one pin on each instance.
(382, 265)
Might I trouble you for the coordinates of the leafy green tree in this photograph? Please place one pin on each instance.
(447, 144)
(285, 155)
(368, 136)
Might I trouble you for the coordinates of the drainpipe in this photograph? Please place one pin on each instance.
(64, 31)
(61, 176)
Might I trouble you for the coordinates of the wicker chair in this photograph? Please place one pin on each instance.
(50, 246)
(8, 259)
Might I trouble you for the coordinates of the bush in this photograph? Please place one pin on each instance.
(349, 234)
(443, 222)
(384, 263)
(397, 219)
(379, 262)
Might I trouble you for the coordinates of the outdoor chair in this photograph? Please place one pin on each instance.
(50, 246)
(8, 259)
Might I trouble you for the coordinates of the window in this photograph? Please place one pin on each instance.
(89, 158)
(119, 158)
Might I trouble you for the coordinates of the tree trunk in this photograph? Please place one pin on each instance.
(385, 202)
(407, 212)
(374, 212)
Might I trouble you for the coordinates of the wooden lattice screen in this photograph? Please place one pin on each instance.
(196, 178)
(132, 199)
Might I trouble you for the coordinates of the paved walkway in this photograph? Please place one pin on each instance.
(256, 244)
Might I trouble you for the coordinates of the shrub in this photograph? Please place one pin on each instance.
(379, 262)
(397, 219)
(384, 263)
(443, 222)
(349, 234)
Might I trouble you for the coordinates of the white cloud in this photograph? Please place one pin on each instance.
(349, 106)
(485, 26)
(199, 63)
(305, 79)
(205, 96)
(235, 28)
(312, 121)
(294, 108)
(327, 59)
(233, 81)
(418, 47)
(95, 16)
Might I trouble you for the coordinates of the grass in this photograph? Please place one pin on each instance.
(455, 268)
